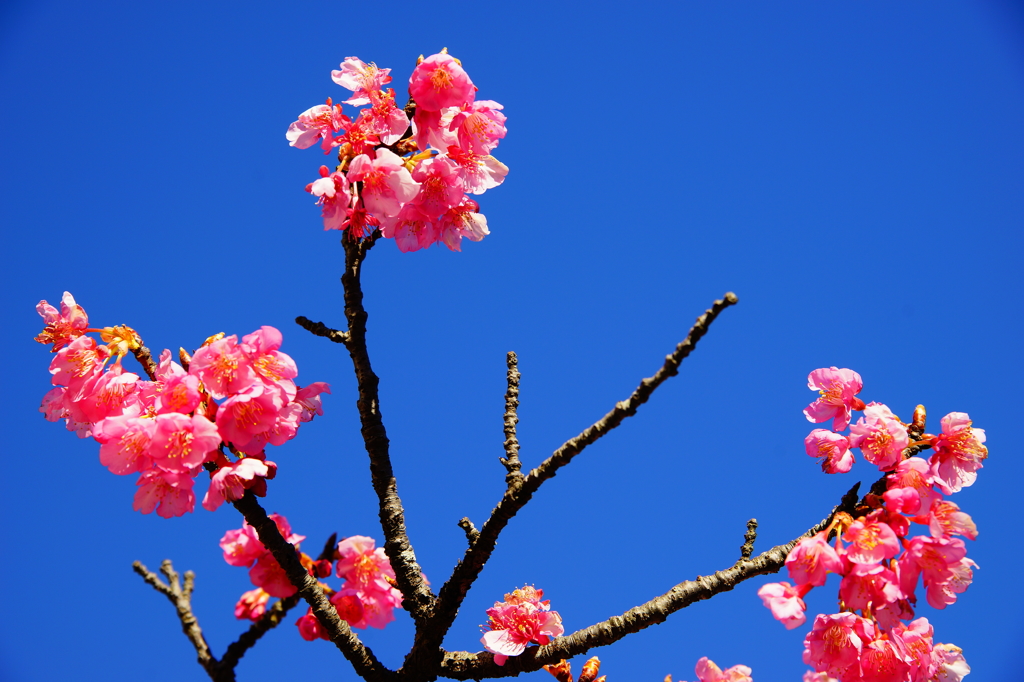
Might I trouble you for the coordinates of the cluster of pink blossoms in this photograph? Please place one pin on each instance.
(520, 620)
(879, 562)
(407, 171)
(366, 598)
(166, 429)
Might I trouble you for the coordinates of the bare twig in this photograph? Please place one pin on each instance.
(511, 459)
(463, 665)
(471, 532)
(145, 358)
(418, 599)
(321, 329)
(465, 573)
(747, 548)
(182, 603)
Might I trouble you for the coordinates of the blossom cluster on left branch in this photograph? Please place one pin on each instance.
(168, 427)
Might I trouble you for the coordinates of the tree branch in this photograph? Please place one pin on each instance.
(465, 574)
(511, 459)
(418, 599)
(463, 665)
(321, 329)
(360, 656)
(747, 548)
(183, 605)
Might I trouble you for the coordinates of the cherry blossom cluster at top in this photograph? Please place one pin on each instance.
(366, 598)
(878, 561)
(168, 428)
(406, 171)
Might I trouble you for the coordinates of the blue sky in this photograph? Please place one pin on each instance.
(854, 172)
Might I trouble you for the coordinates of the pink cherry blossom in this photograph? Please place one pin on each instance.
(938, 561)
(78, 362)
(268, 574)
(958, 453)
(945, 520)
(951, 665)
(317, 123)
(242, 547)
(785, 602)
(168, 492)
(461, 221)
(384, 118)
(835, 643)
(869, 585)
(914, 642)
(244, 415)
(124, 442)
(363, 565)
(361, 78)
(440, 186)
(811, 676)
(519, 620)
(310, 628)
(881, 661)
(252, 605)
(387, 184)
(838, 389)
(183, 443)
(412, 229)
(103, 394)
(439, 81)
(707, 671)
(812, 559)
(64, 326)
(432, 128)
(912, 474)
(480, 125)
(332, 193)
(479, 173)
(309, 398)
(224, 367)
(871, 541)
(880, 436)
(53, 409)
(832, 450)
(230, 482)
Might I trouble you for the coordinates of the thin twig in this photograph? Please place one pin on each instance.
(418, 599)
(183, 605)
(747, 548)
(321, 329)
(511, 459)
(465, 574)
(471, 532)
(463, 665)
(145, 358)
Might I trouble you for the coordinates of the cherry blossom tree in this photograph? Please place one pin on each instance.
(411, 174)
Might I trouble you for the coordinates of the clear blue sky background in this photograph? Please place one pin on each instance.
(853, 171)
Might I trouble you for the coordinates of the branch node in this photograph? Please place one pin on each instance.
(471, 532)
(747, 548)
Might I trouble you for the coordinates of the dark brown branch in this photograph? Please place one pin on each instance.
(747, 548)
(418, 599)
(145, 358)
(463, 665)
(321, 329)
(511, 459)
(360, 656)
(269, 620)
(471, 532)
(183, 605)
(465, 574)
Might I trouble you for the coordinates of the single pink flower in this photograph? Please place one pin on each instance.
(230, 482)
(310, 628)
(168, 492)
(871, 540)
(64, 326)
(869, 585)
(812, 559)
(880, 436)
(785, 603)
(333, 196)
(835, 644)
(462, 221)
(387, 184)
(182, 443)
(938, 561)
(431, 128)
(268, 574)
(946, 520)
(224, 367)
(245, 415)
(361, 78)
(309, 398)
(838, 389)
(54, 409)
(811, 676)
(104, 394)
(913, 474)
(412, 229)
(124, 442)
(951, 665)
(479, 173)
(440, 186)
(252, 605)
(832, 450)
(76, 363)
(480, 125)
(958, 453)
(520, 620)
(707, 671)
(317, 123)
(439, 81)
(242, 547)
